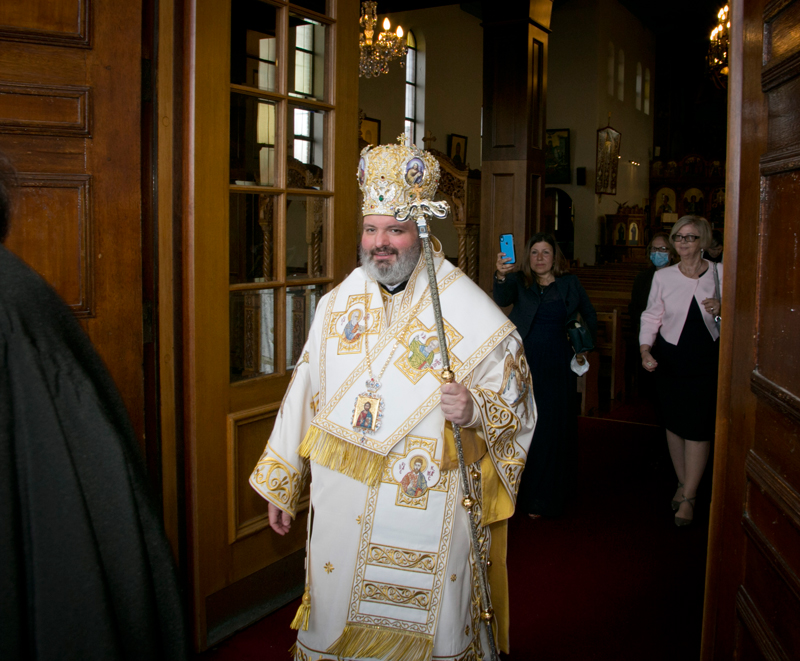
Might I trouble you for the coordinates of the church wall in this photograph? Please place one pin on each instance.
(578, 99)
(450, 44)
(572, 81)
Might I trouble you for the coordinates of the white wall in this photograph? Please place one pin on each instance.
(577, 99)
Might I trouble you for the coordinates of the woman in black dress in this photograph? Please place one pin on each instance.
(679, 341)
(544, 297)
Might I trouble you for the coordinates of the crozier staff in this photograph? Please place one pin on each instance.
(679, 341)
(365, 587)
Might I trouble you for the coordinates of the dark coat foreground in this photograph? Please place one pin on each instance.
(85, 569)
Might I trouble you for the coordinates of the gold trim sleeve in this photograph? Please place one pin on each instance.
(278, 482)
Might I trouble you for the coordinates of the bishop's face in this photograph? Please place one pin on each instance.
(389, 249)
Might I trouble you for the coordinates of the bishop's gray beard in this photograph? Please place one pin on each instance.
(390, 274)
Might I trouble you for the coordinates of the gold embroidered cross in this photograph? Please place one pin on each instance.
(351, 324)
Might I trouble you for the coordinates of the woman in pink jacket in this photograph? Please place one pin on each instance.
(679, 341)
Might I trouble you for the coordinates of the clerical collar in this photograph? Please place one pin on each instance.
(396, 289)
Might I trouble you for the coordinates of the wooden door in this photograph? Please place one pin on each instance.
(753, 578)
(70, 84)
(271, 154)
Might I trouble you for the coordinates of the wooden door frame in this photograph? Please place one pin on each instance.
(197, 194)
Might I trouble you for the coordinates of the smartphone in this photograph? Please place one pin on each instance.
(507, 247)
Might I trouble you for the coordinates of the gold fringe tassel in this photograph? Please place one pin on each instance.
(343, 457)
(300, 621)
(379, 643)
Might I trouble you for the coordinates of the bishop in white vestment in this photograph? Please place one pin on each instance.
(391, 571)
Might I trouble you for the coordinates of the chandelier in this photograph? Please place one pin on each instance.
(718, 49)
(377, 53)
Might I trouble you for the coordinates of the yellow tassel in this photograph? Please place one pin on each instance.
(359, 640)
(327, 450)
(300, 621)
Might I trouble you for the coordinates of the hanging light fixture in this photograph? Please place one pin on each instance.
(376, 53)
(718, 49)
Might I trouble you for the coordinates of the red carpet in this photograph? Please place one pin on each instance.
(614, 579)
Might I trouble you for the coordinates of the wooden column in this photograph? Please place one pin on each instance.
(514, 94)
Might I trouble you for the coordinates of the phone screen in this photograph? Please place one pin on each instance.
(507, 247)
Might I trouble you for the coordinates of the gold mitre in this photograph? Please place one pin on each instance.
(393, 176)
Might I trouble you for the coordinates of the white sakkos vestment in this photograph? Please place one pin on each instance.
(390, 568)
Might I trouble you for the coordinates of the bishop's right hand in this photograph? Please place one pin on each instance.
(279, 520)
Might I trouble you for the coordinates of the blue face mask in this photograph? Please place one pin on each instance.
(659, 259)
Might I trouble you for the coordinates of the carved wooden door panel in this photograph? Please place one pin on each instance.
(69, 120)
(753, 579)
(272, 83)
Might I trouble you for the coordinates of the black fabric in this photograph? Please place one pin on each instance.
(686, 379)
(526, 301)
(639, 296)
(85, 569)
(549, 476)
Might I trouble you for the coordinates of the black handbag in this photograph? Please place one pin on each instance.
(579, 335)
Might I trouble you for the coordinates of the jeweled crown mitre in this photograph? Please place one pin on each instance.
(393, 176)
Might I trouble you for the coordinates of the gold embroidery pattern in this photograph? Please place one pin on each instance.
(358, 519)
(412, 343)
(328, 567)
(283, 482)
(437, 589)
(501, 426)
(324, 346)
(517, 373)
(354, 302)
(396, 594)
(360, 370)
(387, 556)
(453, 578)
(403, 499)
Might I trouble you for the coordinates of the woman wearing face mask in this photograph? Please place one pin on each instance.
(679, 342)
(544, 296)
(661, 254)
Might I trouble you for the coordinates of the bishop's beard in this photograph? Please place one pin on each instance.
(390, 274)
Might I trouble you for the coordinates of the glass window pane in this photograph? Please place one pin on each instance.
(411, 66)
(301, 304)
(252, 141)
(251, 255)
(305, 236)
(252, 331)
(306, 136)
(306, 58)
(410, 100)
(409, 131)
(254, 44)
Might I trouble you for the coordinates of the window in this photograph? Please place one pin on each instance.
(304, 60)
(303, 136)
(411, 89)
(638, 86)
(621, 75)
(647, 91)
(611, 53)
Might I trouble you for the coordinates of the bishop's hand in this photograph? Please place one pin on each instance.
(457, 404)
(279, 520)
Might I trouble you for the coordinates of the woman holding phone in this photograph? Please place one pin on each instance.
(545, 296)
